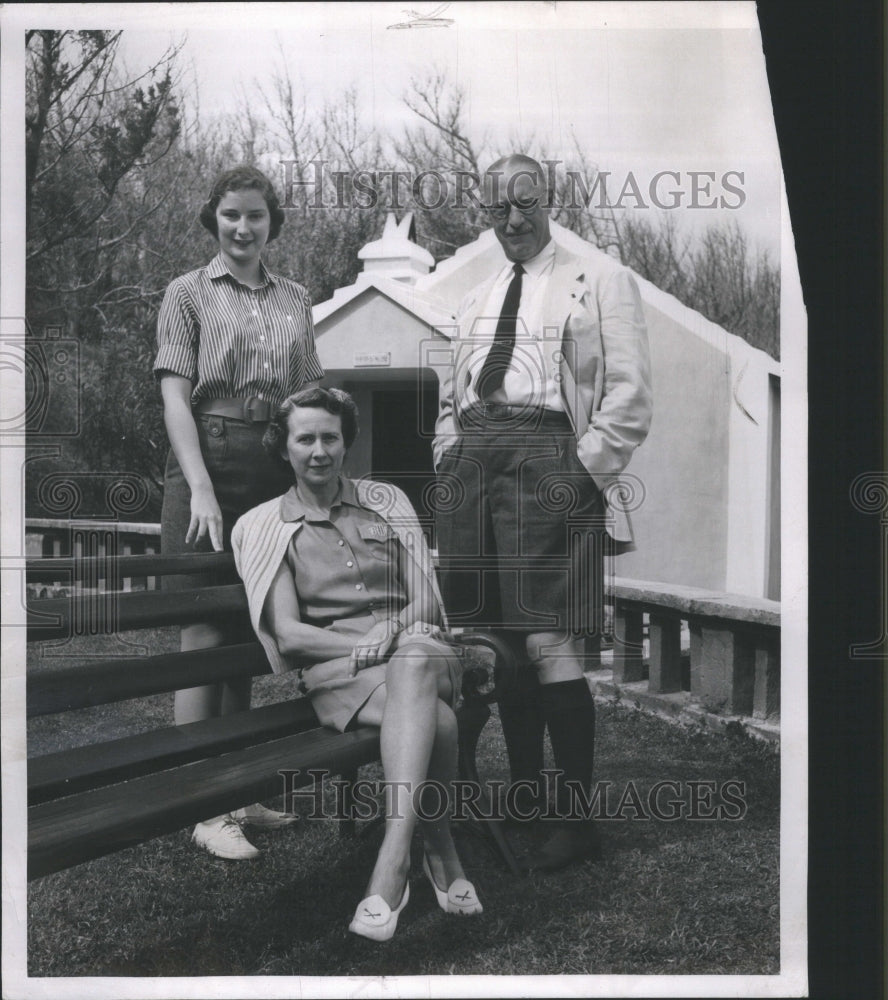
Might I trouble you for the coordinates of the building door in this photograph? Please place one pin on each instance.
(403, 422)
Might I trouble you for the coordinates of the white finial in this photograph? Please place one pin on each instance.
(395, 254)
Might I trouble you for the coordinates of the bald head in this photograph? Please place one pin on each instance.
(516, 198)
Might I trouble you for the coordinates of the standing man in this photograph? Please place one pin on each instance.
(548, 396)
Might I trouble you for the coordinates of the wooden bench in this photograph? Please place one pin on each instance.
(93, 800)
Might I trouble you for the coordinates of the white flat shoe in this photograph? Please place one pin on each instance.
(460, 897)
(225, 839)
(259, 815)
(375, 919)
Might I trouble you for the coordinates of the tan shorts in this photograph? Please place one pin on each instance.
(337, 697)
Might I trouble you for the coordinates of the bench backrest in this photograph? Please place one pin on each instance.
(88, 610)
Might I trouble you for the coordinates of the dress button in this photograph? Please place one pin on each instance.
(255, 313)
(262, 336)
(359, 586)
(266, 364)
(349, 564)
(340, 542)
(215, 431)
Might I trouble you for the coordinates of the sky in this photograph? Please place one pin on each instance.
(642, 88)
(650, 92)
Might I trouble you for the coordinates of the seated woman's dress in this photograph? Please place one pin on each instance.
(349, 572)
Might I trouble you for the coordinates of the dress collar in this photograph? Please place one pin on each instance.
(293, 509)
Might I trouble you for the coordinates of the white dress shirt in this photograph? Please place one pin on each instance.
(530, 379)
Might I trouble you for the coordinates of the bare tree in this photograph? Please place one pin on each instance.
(736, 288)
(440, 144)
(97, 139)
(85, 124)
(323, 156)
(444, 143)
(578, 207)
(657, 250)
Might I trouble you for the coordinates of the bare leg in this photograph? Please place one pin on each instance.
(409, 726)
(439, 847)
(210, 700)
(556, 657)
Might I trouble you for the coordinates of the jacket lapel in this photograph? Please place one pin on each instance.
(564, 293)
(565, 289)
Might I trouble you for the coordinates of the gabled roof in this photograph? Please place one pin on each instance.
(454, 277)
(427, 307)
(435, 297)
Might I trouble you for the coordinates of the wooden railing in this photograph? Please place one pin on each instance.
(86, 539)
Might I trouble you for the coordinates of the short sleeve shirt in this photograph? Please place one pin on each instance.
(344, 566)
(232, 340)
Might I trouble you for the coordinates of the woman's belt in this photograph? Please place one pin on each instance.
(252, 409)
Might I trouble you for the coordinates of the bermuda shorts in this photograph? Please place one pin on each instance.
(520, 527)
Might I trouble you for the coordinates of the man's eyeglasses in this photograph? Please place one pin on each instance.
(500, 212)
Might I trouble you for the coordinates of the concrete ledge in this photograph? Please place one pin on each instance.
(678, 707)
(695, 602)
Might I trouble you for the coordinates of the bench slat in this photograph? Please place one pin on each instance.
(68, 771)
(81, 827)
(61, 689)
(68, 568)
(55, 617)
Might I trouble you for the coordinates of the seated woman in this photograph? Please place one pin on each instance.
(341, 587)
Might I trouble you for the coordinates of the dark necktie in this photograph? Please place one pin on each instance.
(499, 356)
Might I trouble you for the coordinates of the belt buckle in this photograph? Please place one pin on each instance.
(248, 408)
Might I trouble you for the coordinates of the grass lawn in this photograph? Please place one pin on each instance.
(687, 896)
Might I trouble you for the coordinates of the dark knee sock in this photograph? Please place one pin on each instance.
(570, 715)
(523, 723)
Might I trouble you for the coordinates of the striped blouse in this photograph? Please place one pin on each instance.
(232, 340)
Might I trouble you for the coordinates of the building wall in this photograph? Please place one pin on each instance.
(681, 526)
